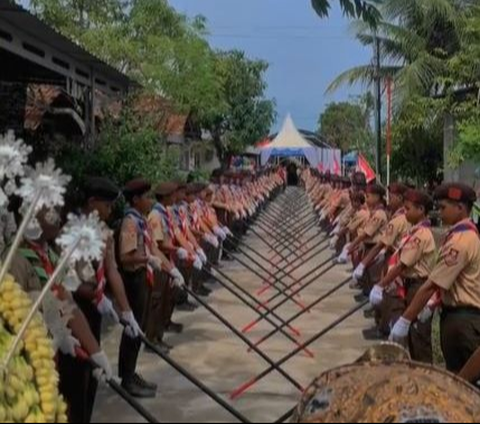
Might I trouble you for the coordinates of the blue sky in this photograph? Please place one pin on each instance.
(305, 53)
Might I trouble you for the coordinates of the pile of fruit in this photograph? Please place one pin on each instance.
(29, 387)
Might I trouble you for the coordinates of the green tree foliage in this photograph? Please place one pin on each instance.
(417, 141)
(346, 125)
(248, 115)
(168, 54)
(362, 9)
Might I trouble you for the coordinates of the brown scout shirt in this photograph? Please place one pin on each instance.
(418, 254)
(395, 230)
(374, 226)
(130, 241)
(360, 218)
(458, 271)
(159, 232)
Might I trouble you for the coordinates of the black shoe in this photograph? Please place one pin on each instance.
(187, 307)
(372, 334)
(138, 379)
(135, 390)
(369, 314)
(202, 292)
(160, 346)
(360, 298)
(175, 328)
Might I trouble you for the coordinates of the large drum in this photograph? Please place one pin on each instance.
(384, 386)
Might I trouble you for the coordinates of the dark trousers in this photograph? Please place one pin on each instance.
(138, 294)
(460, 335)
(391, 309)
(420, 337)
(77, 383)
(160, 307)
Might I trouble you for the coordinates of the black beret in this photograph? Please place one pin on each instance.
(101, 188)
(376, 189)
(398, 188)
(419, 198)
(137, 187)
(456, 192)
(166, 189)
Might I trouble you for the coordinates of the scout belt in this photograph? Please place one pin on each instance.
(384, 386)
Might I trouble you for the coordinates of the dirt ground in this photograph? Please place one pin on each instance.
(221, 360)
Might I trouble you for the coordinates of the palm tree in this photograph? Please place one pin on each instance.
(416, 37)
(361, 9)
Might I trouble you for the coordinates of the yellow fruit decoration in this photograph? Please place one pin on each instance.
(29, 387)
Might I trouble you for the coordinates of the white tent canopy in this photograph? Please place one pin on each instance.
(290, 143)
(289, 137)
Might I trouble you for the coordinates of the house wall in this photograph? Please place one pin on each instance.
(198, 156)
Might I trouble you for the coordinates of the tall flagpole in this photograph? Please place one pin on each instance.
(389, 128)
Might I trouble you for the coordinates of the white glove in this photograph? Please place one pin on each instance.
(178, 280)
(227, 231)
(425, 315)
(220, 233)
(381, 256)
(132, 330)
(359, 272)
(68, 345)
(203, 257)
(105, 308)
(336, 230)
(333, 242)
(155, 262)
(197, 263)
(343, 258)
(182, 254)
(376, 295)
(104, 371)
(211, 239)
(400, 330)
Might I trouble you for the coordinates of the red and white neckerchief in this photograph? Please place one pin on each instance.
(47, 264)
(166, 219)
(395, 258)
(194, 216)
(101, 283)
(142, 227)
(182, 215)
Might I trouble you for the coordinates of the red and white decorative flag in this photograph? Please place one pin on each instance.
(364, 166)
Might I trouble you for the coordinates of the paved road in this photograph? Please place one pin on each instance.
(214, 355)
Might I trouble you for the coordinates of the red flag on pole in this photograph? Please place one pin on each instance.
(337, 170)
(364, 166)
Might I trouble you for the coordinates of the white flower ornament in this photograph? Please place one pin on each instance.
(86, 232)
(13, 156)
(48, 180)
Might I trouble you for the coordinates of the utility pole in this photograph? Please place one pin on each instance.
(378, 83)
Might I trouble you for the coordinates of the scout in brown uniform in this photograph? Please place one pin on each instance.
(457, 276)
(395, 230)
(168, 279)
(135, 247)
(372, 233)
(349, 229)
(100, 195)
(162, 223)
(410, 267)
